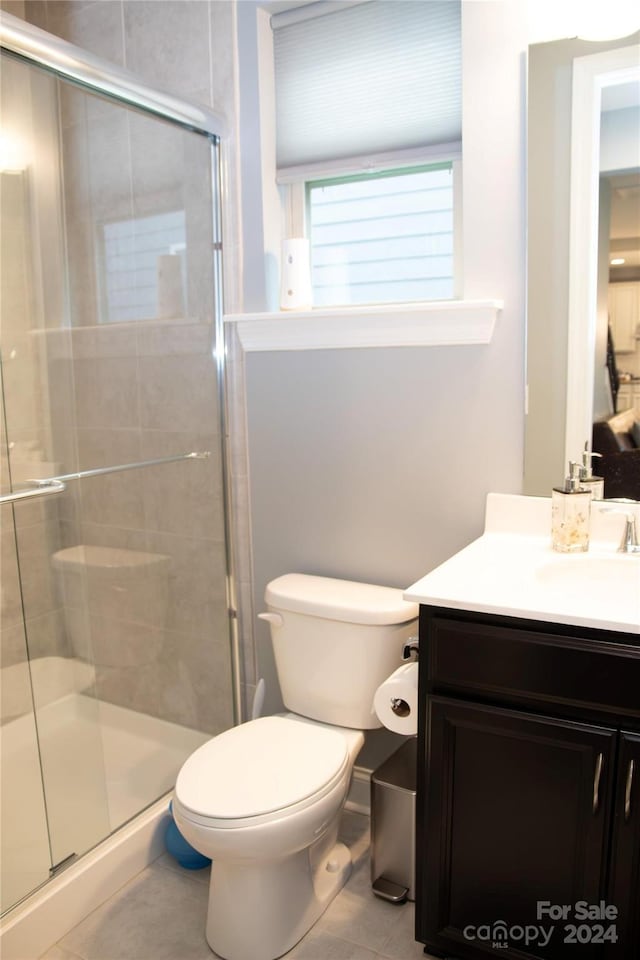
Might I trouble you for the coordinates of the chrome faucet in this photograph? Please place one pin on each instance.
(629, 542)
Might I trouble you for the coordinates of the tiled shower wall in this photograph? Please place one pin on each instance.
(184, 47)
(134, 394)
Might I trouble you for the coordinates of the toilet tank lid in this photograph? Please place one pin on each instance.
(343, 600)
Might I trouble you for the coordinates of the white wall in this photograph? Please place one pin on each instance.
(375, 464)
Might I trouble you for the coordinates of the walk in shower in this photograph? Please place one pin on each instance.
(117, 654)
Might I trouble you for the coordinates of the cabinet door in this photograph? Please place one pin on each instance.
(629, 398)
(625, 855)
(625, 397)
(624, 300)
(512, 813)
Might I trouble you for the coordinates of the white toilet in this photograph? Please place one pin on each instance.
(264, 799)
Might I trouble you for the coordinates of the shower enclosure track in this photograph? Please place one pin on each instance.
(49, 485)
(28, 42)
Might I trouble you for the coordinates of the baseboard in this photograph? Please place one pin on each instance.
(32, 927)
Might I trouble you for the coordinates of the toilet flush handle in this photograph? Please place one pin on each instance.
(273, 618)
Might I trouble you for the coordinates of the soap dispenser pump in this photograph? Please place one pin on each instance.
(587, 478)
(570, 508)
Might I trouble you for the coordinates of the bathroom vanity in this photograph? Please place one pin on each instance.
(528, 805)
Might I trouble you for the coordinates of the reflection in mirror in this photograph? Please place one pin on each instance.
(616, 394)
(568, 284)
(141, 267)
(131, 217)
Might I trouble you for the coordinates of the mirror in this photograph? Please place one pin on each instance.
(564, 339)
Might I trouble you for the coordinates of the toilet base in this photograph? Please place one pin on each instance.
(259, 911)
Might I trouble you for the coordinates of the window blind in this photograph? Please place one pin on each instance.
(380, 76)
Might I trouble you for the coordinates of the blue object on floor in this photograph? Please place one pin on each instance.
(182, 851)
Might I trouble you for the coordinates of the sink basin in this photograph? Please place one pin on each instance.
(512, 571)
(610, 577)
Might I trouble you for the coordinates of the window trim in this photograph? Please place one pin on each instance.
(429, 323)
(372, 163)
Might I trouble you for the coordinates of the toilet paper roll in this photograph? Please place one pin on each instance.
(396, 701)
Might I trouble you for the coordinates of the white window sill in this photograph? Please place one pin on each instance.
(442, 323)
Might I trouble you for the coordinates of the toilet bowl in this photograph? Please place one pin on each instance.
(267, 812)
(264, 799)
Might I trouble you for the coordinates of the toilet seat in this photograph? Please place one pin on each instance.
(254, 772)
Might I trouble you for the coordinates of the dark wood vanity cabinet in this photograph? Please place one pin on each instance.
(528, 803)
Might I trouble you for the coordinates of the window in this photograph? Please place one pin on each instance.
(368, 145)
(382, 238)
(138, 280)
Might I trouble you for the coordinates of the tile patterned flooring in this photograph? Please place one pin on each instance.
(160, 914)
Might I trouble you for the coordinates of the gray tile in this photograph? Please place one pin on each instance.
(95, 26)
(358, 916)
(58, 953)
(167, 862)
(360, 880)
(34, 11)
(355, 833)
(159, 914)
(162, 913)
(171, 50)
(178, 393)
(106, 393)
(319, 945)
(401, 943)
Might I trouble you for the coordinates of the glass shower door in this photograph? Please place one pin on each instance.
(52, 761)
(111, 384)
(26, 859)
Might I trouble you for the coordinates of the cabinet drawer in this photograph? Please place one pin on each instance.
(526, 666)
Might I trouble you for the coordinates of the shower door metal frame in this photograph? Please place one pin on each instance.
(36, 47)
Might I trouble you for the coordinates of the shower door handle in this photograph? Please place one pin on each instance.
(58, 484)
(43, 488)
(119, 468)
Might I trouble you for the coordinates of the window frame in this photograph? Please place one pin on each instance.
(295, 193)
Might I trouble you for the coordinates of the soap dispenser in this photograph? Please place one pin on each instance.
(587, 478)
(570, 508)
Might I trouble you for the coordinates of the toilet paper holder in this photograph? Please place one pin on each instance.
(411, 647)
(410, 652)
(400, 707)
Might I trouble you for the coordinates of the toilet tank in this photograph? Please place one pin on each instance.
(334, 643)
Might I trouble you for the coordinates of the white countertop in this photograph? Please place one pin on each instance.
(512, 570)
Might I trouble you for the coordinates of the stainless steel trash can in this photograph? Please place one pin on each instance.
(393, 825)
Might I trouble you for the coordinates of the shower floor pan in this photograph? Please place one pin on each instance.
(101, 765)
